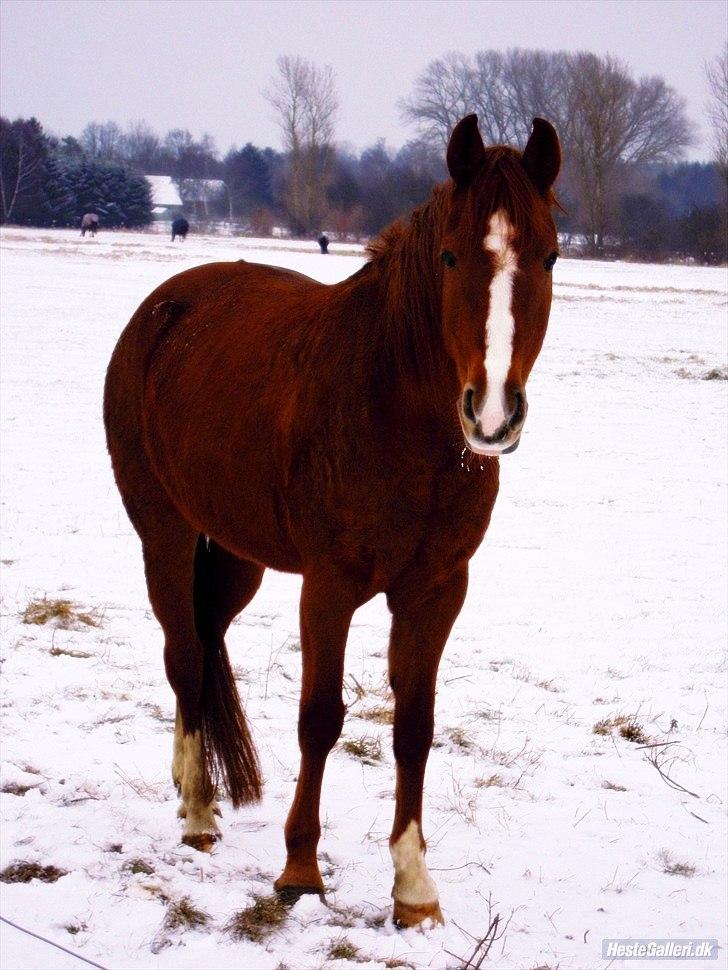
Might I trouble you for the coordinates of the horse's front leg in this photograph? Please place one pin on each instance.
(421, 623)
(327, 606)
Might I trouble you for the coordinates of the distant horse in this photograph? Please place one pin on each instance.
(257, 418)
(323, 241)
(89, 223)
(180, 227)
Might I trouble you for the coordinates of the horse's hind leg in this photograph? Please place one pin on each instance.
(196, 589)
(194, 594)
(169, 555)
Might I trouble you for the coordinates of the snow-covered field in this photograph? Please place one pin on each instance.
(599, 595)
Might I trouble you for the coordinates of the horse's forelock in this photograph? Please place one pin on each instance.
(503, 184)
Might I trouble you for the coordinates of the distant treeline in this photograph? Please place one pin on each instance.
(660, 210)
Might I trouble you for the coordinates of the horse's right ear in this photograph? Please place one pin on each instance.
(542, 155)
(465, 151)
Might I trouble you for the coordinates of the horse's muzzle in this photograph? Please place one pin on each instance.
(505, 438)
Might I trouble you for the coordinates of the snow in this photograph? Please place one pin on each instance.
(600, 591)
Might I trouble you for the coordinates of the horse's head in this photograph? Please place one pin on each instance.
(498, 249)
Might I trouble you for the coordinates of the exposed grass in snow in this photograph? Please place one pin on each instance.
(62, 613)
(379, 714)
(368, 750)
(343, 949)
(27, 871)
(139, 866)
(256, 922)
(625, 725)
(183, 914)
(15, 788)
(613, 786)
(674, 867)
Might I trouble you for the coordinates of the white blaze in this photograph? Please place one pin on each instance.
(413, 884)
(500, 324)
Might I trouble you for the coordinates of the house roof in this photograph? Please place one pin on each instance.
(164, 191)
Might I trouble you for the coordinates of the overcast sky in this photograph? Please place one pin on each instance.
(202, 64)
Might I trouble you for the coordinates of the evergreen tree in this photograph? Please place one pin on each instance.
(248, 175)
(119, 197)
(24, 156)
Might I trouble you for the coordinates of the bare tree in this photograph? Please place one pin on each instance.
(442, 96)
(608, 123)
(304, 97)
(103, 141)
(505, 89)
(534, 85)
(717, 74)
(617, 123)
(141, 147)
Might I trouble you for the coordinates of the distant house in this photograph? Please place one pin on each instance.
(166, 200)
(205, 198)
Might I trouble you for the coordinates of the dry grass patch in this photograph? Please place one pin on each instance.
(367, 750)
(673, 867)
(14, 788)
(455, 736)
(344, 949)
(64, 614)
(626, 725)
(381, 714)
(523, 673)
(459, 738)
(611, 786)
(138, 867)
(68, 652)
(185, 915)
(259, 920)
(27, 871)
(492, 781)
(344, 917)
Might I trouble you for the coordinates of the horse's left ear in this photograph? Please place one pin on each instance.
(465, 151)
(542, 155)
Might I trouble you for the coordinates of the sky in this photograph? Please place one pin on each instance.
(204, 64)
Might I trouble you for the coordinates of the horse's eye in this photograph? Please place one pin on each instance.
(548, 263)
(448, 258)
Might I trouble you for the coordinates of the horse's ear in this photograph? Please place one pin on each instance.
(465, 151)
(542, 155)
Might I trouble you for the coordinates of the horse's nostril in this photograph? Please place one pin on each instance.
(519, 408)
(468, 410)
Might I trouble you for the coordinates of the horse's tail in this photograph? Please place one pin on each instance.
(229, 750)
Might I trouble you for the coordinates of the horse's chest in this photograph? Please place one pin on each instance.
(381, 530)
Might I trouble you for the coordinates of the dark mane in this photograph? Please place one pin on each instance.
(405, 257)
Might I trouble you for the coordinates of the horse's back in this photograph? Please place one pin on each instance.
(229, 292)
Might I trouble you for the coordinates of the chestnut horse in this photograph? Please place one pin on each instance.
(257, 418)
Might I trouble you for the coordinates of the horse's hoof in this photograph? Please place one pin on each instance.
(289, 895)
(202, 841)
(300, 878)
(406, 915)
